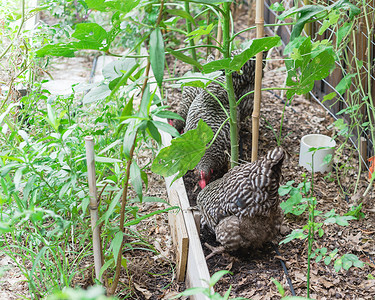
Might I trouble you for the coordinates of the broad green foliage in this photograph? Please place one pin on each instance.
(92, 36)
(307, 65)
(184, 153)
(116, 5)
(91, 293)
(318, 12)
(208, 291)
(300, 199)
(236, 63)
(197, 79)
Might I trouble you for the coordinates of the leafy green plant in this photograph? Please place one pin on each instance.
(92, 293)
(301, 198)
(208, 291)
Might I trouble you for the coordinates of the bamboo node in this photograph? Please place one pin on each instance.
(93, 207)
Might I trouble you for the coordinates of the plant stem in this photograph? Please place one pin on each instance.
(312, 203)
(229, 86)
(191, 41)
(112, 289)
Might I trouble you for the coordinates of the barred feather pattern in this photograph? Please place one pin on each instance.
(189, 93)
(207, 108)
(242, 208)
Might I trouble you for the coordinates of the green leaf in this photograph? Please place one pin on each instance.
(120, 5)
(98, 93)
(227, 293)
(153, 131)
(52, 120)
(279, 286)
(184, 58)
(346, 5)
(197, 79)
(166, 128)
(4, 228)
(296, 234)
(306, 13)
(327, 260)
(157, 55)
(295, 44)
(217, 276)
(106, 265)
(150, 199)
(330, 96)
(332, 19)
(277, 6)
(129, 137)
(117, 68)
(346, 263)
(65, 50)
(116, 244)
(237, 61)
(184, 153)
(160, 211)
(102, 159)
(181, 13)
(114, 202)
(320, 232)
(338, 264)
(92, 34)
(126, 112)
(311, 69)
(199, 32)
(210, 1)
(166, 114)
(345, 83)
(190, 292)
(136, 179)
(145, 105)
(343, 31)
(284, 190)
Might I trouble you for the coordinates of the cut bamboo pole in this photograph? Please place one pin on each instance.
(259, 22)
(90, 158)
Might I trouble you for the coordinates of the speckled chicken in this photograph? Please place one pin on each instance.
(242, 208)
(245, 80)
(189, 93)
(204, 106)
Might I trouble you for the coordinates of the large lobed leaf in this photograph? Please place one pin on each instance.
(307, 66)
(236, 62)
(90, 35)
(184, 153)
(117, 5)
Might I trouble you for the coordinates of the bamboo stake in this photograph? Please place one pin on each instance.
(259, 22)
(89, 143)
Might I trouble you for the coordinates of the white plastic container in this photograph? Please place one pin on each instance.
(316, 141)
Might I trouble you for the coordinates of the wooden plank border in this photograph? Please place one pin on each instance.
(197, 274)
